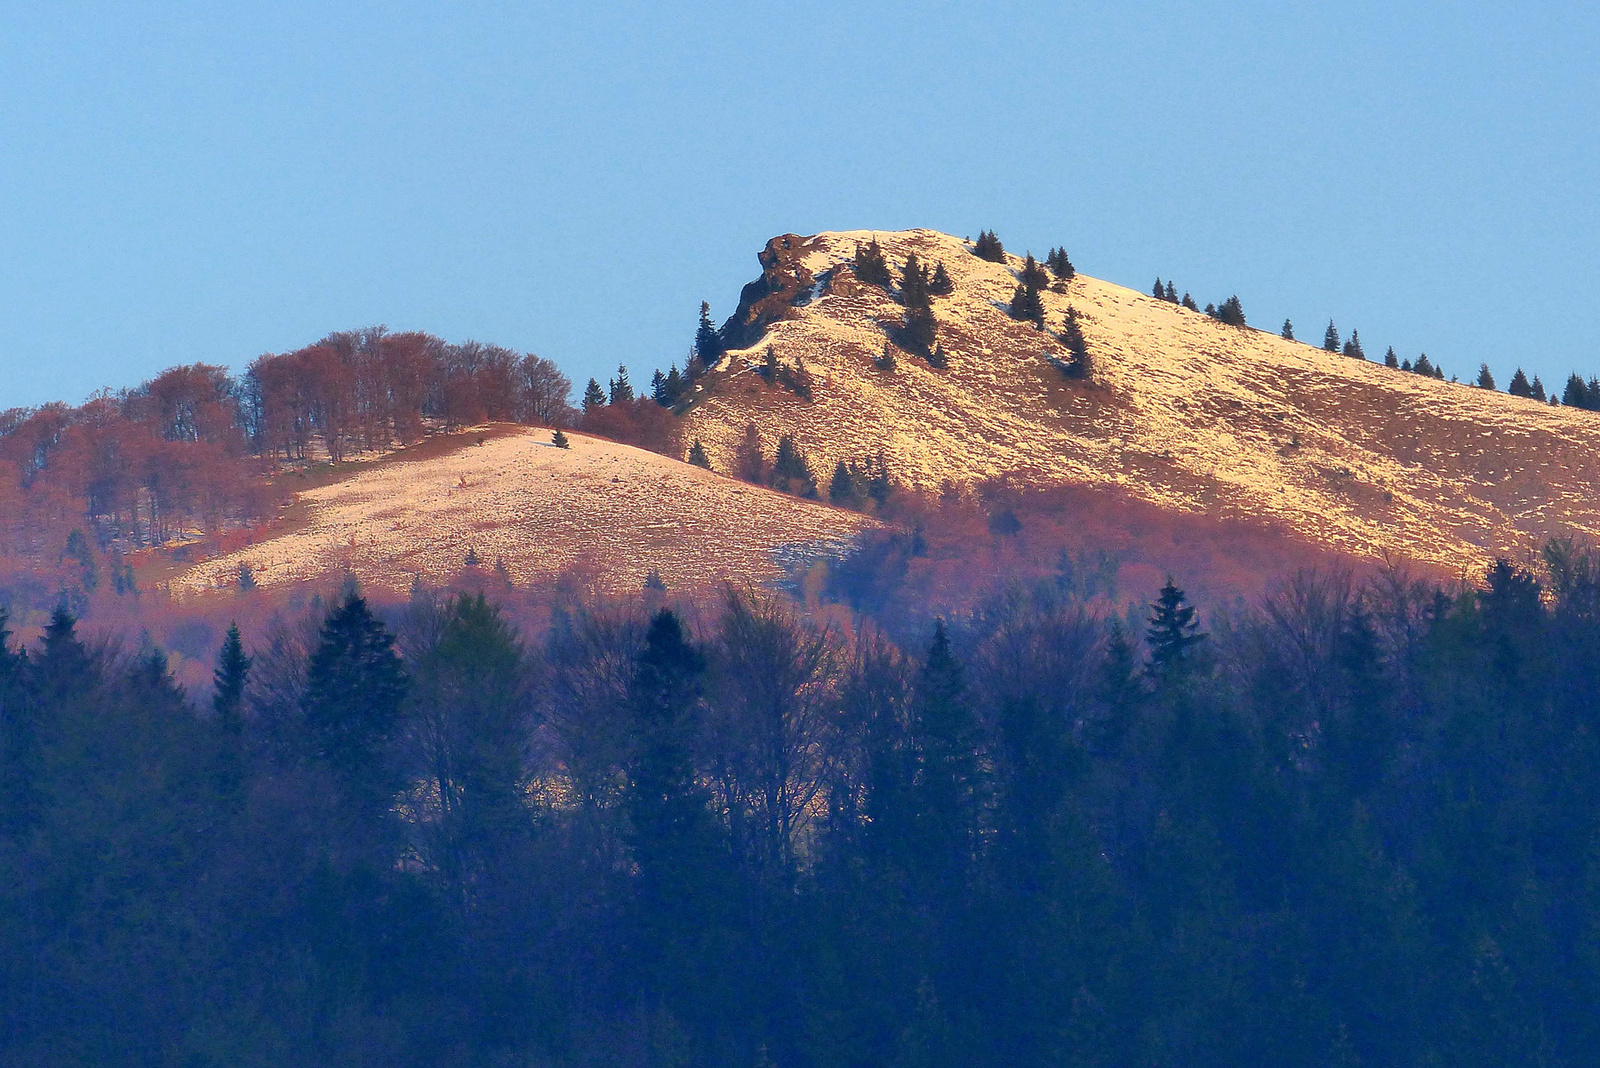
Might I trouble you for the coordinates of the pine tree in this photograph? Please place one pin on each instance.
(1188, 302)
(1072, 336)
(914, 284)
(790, 471)
(593, 397)
(674, 387)
(1330, 339)
(1405, 365)
(472, 560)
(697, 455)
(749, 461)
(1172, 294)
(1423, 366)
(940, 284)
(1033, 276)
(228, 681)
(945, 733)
(1173, 632)
(708, 344)
(1352, 348)
(658, 389)
(559, 440)
(1519, 386)
(1390, 359)
(1485, 378)
(355, 685)
(1537, 390)
(1288, 331)
(1060, 265)
(621, 388)
(1211, 310)
(1027, 305)
(844, 489)
(1232, 312)
(1575, 395)
(1159, 291)
(870, 265)
(246, 580)
(886, 360)
(921, 329)
(988, 247)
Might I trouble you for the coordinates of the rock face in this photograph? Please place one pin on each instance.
(1180, 411)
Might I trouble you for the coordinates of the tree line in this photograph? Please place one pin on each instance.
(1353, 824)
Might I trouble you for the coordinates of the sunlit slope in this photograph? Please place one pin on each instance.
(1182, 411)
(613, 511)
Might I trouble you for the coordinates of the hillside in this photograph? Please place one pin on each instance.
(1181, 412)
(611, 511)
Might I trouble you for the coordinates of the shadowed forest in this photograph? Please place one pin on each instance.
(1354, 823)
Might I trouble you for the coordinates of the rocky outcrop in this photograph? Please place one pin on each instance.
(784, 283)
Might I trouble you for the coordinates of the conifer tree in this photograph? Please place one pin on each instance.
(1352, 348)
(1231, 312)
(1172, 294)
(1060, 265)
(658, 389)
(1537, 390)
(946, 735)
(355, 686)
(708, 344)
(1211, 310)
(844, 489)
(1173, 632)
(921, 329)
(885, 360)
(1575, 395)
(559, 440)
(1519, 386)
(1072, 336)
(593, 397)
(749, 461)
(1188, 302)
(937, 358)
(988, 247)
(697, 455)
(621, 388)
(790, 471)
(1405, 365)
(1033, 276)
(914, 284)
(228, 681)
(940, 284)
(1288, 331)
(1390, 359)
(1158, 291)
(1423, 366)
(1485, 378)
(1330, 339)
(870, 265)
(1027, 305)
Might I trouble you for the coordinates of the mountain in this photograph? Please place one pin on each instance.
(1180, 412)
(612, 512)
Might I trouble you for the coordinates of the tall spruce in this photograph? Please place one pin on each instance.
(355, 687)
(228, 682)
(1330, 338)
(988, 247)
(1173, 632)
(1485, 377)
(1352, 347)
(1520, 386)
(940, 284)
(871, 267)
(708, 344)
(1288, 331)
(593, 396)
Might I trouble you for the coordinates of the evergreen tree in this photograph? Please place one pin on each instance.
(1405, 365)
(1288, 331)
(940, 284)
(1211, 310)
(1072, 337)
(658, 389)
(674, 387)
(1172, 294)
(1033, 276)
(621, 388)
(871, 267)
(945, 732)
(1423, 366)
(914, 284)
(1027, 305)
(921, 329)
(790, 471)
(1390, 359)
(937, 358)
(749, 461)
(1330, 338)
(1173, 632)
(1575, 395)
(559, 440)
(1060, 265)
(1188, 302)
(228, 682)
(845, 489)
(355, 686)
(1519, 386)
(1159, 292)
(988, 247)
(1352, 348)
(1485, 378)
(697, 455)
(593, 397)
(708, 344)
(1536, 391)
(1232, 312)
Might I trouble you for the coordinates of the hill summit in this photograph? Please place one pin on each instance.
(1172, 407)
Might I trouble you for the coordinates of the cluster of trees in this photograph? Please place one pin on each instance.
(1355, 824)
(1169, 293)
(859, 481)
(988, 247)
(788, 471)
(1580, 394)
(614, 411)
(1231, 313)
(918, 286)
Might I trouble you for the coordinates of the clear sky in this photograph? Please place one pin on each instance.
(204, 181)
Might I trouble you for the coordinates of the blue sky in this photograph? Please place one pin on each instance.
(183, 182)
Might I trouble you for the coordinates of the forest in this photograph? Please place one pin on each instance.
(1351, 823)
